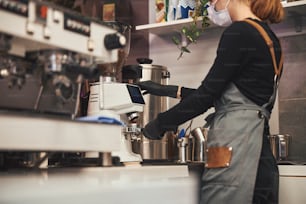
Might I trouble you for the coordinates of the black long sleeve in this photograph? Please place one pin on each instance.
(186, 92)
(242, 58)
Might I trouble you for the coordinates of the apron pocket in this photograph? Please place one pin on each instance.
(218, 157)
(226, 156)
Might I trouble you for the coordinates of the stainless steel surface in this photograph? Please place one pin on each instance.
(280, 146)
(182, 145)
(35, 90)
(153, 149)
(154, 104)
(45, 58)
(106, 158)
(198, 152)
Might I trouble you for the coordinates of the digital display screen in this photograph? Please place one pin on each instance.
(135, 94)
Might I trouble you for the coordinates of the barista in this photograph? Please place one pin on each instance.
(241, 86)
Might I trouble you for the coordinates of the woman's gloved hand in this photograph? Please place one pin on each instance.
(158, 89)
(153, 130)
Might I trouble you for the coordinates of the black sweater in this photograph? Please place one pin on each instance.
(243, 58)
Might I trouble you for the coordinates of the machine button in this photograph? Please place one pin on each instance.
(30, 28)
(47, 33)
(90, 45)
(56, 16)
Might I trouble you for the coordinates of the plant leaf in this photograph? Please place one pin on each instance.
(175, 40)
(185, 49)
(192, 32)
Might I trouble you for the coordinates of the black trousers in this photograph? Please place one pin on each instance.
(267, 180)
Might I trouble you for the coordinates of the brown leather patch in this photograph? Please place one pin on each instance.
(218, 157)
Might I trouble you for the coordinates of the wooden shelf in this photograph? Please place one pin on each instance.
(175, 26)
(166, 27)
(296, 6)
(294, 3)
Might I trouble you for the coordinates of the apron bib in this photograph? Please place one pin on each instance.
(238, 124)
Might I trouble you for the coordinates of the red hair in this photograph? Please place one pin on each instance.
(268, 10)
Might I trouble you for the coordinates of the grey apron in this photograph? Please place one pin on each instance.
(237, 123)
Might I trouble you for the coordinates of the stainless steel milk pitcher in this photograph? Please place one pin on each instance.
(280, 146)
(199, 135)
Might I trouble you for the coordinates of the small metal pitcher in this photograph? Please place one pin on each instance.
(199, 135)
(280, 146)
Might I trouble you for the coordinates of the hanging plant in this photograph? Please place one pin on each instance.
(191, 33)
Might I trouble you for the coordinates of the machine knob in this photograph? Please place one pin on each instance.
(114, 41)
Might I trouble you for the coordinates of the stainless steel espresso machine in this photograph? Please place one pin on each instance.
(46, 54)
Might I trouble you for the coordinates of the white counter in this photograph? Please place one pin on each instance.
(133, 185)
(37, 133)
(292, 170)
(292, 184)
(111, 185)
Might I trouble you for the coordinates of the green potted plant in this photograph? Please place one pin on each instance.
(191, 32)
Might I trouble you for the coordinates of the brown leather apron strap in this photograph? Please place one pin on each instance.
(269, 42)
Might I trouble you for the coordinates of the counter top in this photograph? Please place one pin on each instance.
(292, 184)
(26, 132)
(292, 170)
(139, 184)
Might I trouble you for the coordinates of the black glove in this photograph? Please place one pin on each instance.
(158, 89)
(153, 130)
(156, 128)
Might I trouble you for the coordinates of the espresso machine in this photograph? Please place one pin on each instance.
(47, 53)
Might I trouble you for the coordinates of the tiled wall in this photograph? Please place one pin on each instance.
(292, 96)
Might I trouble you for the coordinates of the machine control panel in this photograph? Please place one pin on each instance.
(77, 24)
(18, 7)
(36, 24)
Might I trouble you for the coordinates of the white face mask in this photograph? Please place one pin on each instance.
(220, 18)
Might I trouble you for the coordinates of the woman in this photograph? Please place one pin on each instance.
(241, 86)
